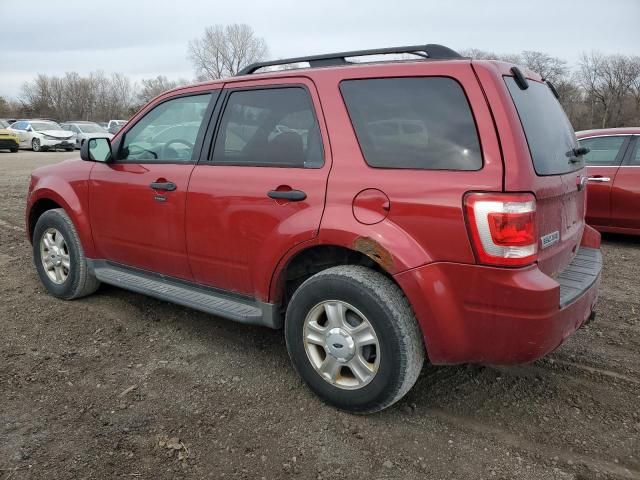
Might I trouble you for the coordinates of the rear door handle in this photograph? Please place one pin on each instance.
(599, 179)
(168, 186)
(291, 195)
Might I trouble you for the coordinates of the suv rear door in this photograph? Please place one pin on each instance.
(603, 163)
(262, 189)
(137, 201)
(543, 161)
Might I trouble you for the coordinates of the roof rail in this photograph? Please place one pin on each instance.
(431, 51)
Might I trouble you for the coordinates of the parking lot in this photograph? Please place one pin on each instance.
(121, 385)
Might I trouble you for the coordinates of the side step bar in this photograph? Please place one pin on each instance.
(209, 300)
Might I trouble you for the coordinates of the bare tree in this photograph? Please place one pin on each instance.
(152, 87)
(224, 50)
(550, 68)
(607, 80)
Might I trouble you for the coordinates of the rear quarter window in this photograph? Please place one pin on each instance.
(413, 123)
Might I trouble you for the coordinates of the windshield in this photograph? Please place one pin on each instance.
(90, 128)
(3, 124)
(39, 126)
(549, 133)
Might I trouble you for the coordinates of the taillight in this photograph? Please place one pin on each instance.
(503, 227)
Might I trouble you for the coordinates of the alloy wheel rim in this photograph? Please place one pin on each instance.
(36, 144)
(341, 344)
(54, 253)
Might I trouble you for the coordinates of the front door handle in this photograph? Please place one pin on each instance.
(599, 178)
(168, 186)
(291, 195)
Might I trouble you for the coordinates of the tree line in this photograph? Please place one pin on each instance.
(600, 91)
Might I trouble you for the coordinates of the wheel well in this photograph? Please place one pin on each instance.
(315, 259)
(37, 210)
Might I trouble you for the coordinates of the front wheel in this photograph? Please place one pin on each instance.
(59, 257)
(35, 145)
(353, 338)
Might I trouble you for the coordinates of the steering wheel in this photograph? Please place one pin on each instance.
(166, 149)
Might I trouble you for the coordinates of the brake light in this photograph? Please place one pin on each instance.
(503, 227)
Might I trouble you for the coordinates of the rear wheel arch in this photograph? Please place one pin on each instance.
(307, 262)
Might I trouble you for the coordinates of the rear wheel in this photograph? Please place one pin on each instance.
(59, 257)
(35, 144)
(14, 150)
(353, 338)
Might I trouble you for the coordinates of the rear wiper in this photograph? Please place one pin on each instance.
(574, 153)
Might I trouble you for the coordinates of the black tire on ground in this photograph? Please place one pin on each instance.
(388, 311)
(70, 149)
(80, 281)
(14, 150)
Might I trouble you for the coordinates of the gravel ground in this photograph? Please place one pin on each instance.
(118, 385)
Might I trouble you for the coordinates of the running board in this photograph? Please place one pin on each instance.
(209, 300)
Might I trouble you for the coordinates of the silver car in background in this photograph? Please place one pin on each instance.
(85, 131)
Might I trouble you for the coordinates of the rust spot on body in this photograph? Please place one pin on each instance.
(374, 251)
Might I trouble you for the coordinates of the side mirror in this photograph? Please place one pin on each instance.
(96, 150)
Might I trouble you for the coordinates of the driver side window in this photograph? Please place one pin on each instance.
(167, 133)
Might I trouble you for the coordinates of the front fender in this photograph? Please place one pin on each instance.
(71, 194)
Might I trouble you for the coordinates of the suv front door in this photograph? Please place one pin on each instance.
(137, 201)
(262, 189)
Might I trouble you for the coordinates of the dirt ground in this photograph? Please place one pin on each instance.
(118, 385)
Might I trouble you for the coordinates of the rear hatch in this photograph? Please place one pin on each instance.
(558, 184)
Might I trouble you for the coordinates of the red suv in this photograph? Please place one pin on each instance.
(380, 212)
(613, 166)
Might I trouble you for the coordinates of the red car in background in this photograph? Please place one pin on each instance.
(613, 167)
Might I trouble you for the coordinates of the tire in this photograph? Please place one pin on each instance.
(35, 145)
(394, 357)
(78, 280)
(14, 150)
(70, 149)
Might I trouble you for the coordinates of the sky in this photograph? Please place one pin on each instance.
(146, 38)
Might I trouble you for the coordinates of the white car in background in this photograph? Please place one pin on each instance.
(114, 126)
(85, 131)
(42, 135)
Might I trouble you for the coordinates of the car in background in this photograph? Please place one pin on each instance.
(613, 169)
(40, 135)
(9, 120)
(86, 130)
(104, 125)
(8, 139)
(114, 126)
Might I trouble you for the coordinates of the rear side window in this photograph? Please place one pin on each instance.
(603, 151)
(416, 123)
(274, 127)
(549, 133)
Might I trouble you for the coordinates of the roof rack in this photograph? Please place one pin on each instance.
(431, 51)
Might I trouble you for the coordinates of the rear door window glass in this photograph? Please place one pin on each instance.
(603, 151)
(415, 123)
(274, 127)
(549, 133)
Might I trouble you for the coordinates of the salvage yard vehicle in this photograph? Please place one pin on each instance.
(42, 135)
(276, 202)
(8, 139)
(85, 130)
(613, 167)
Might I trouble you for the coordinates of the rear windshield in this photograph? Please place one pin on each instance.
(549, 133)
(422, 123)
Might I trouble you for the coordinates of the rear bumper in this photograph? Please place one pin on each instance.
(479, 314)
